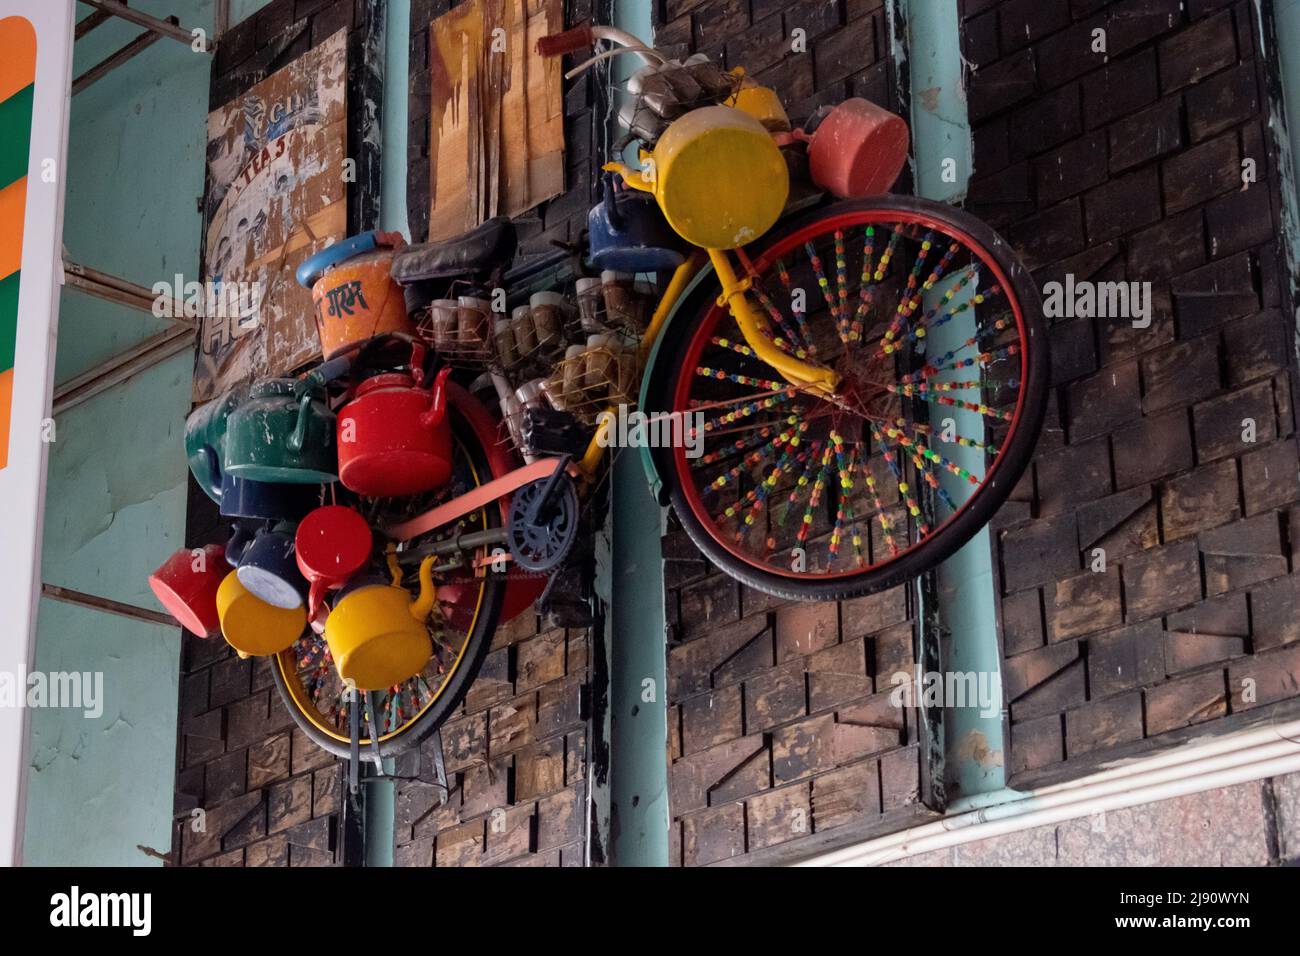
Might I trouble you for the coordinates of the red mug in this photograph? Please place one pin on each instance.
(186, 585)
(332, 544)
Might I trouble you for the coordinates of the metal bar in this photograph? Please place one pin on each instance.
(107, 293)
(372, 721)
(107, 605)
(354, 745)
(472, 500)
(89, 23)
(440, 767)
(106, 279)
(106, 66)
(462, 542)
(353, 839)
(150, 352)
(140, 348)
(113, 289)
(118, 9)
(220, 19)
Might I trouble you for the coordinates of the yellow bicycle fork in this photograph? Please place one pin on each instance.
(815, 378)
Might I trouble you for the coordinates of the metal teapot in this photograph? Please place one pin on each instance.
(377, 634)
(628, 233)
(284, 432)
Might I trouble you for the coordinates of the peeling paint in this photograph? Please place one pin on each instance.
(974, 746)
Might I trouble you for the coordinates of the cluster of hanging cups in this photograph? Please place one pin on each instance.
(264, 452)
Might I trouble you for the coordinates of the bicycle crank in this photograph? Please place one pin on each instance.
(543, 523)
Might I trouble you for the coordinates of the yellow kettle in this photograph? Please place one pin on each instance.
(718, 176)
(376, 633)
(253, 627)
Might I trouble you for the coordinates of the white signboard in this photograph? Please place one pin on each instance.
(35, 88)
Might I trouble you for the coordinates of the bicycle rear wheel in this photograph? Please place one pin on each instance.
(937, 331)
(468, 608)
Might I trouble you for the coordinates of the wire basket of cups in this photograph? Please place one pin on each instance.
(593, 376)
(460, 330)
(535, 335)
(614, 301)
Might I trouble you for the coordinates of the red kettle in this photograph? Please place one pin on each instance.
(394, 437)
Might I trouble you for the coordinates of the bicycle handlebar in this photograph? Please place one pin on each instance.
(570, 41)
(586, 36)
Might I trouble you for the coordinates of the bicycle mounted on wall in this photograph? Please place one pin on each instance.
(852, 383)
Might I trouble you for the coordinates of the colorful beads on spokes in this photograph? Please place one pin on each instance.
(777, 472)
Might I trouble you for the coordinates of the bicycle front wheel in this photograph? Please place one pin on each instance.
(936, 331)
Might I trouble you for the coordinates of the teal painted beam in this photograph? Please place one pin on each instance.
(380, 810)
(638, 674)
(942, 151)
(638, 791)
(393, 129)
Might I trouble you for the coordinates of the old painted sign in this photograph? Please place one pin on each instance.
(496, 115)
(277, 185)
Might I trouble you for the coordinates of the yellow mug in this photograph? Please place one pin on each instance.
(253, 627)
(718, 175)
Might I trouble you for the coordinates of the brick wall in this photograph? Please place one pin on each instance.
(1128, 166)
(847, 45)
(780, 726)
(515, 755)
(269, 796)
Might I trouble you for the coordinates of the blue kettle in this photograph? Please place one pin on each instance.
(627, 233)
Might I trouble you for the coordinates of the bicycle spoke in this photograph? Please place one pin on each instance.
(799, 314)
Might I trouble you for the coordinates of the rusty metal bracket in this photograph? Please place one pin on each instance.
(110, 63)
(122, 291)
(115, 8)
(146, 354)
(108, 605)
(155, 29)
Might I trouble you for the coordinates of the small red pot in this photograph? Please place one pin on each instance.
(186, 585)
(331, 545)
(394, 437)
(858, 150)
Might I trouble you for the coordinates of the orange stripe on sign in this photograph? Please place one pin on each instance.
(13, 203)
(18, 64)
(6, 405)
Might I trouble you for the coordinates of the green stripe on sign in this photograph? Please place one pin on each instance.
(8, 320)
(15, 135)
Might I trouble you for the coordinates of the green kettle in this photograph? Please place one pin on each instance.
(205, 439)
(283, 432)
